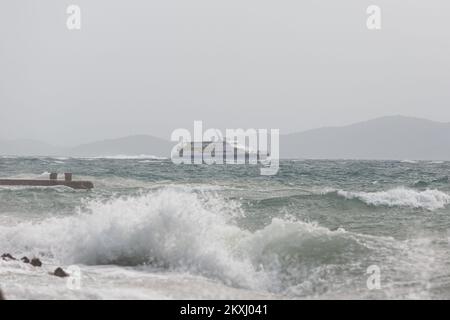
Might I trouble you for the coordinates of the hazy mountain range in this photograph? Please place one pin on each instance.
(132, 145)
(393, 137)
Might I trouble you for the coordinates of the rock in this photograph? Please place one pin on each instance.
(59, 272)
(7, 256)
(25, 260)
(35, 262)
(1, 295)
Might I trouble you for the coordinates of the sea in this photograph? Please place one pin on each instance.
(150, 229)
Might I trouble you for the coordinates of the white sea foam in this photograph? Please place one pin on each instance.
(430, 199)
(113, 282)
(186, 245)
(127, 157)
(408, 161)
(177, 231)
(43, 176)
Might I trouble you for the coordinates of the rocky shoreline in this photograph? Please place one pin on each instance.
(35, 262)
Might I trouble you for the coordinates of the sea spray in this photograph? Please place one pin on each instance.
(188, 232)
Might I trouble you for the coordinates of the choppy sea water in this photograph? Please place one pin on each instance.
(154, 230)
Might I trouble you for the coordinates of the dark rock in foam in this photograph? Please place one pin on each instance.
(59, 272)
(35, 262)
(7, 256)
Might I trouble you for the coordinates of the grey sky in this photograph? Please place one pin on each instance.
(146, 66)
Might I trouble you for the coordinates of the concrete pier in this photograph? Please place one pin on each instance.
(53, 181)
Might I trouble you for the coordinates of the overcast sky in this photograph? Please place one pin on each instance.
(147, 66)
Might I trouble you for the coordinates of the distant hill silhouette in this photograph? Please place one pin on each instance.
(392, 137)
(132, 145)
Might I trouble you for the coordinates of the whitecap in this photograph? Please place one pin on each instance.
(430, 199)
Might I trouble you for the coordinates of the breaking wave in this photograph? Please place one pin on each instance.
(430, 199)
(409, 161)
(185, 232)
(128, 157)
